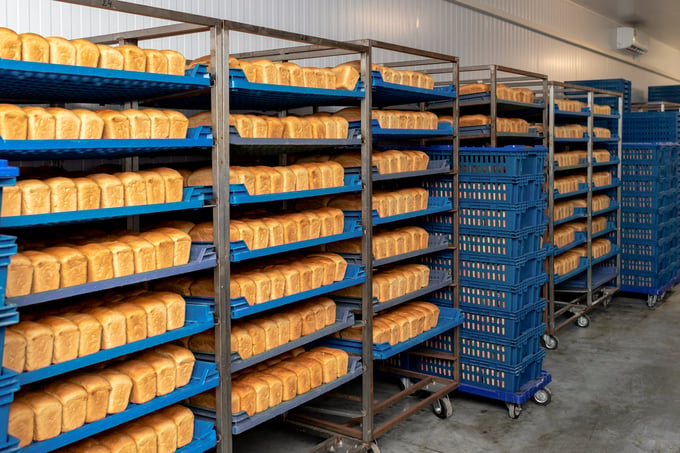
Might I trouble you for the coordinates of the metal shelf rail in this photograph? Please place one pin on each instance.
(574, 294)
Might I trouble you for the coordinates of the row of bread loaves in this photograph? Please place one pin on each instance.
(95, 191)
(386, 203)
(387, 162)
(394, 282)
(167, 431)
(264, 333)
(387, 243)
(399, 324)
(395, 119)
(280, 277)
(262, 180)
(40, 341)
(73, 400)
(317, 126)
(37, 123)
(35, 271)
(81, 52)
(262, 232)
(502, 92)
(515, 125)
(280, 379)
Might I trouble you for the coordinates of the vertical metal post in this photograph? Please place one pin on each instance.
(219, 54)
(551, 207)
(589, 244)
(619, 199)
(367, 247)
(455, 271)
(493, 106)
(131, 163)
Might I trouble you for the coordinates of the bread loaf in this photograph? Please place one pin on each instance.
(73, 399)
(113, 324)
(184, 420)
(11, 201)
(184, 362)
(13, 122)
(90, 332)
(47, 414)
(34, 48)
(46, 271)
(87, 53)
(144, 437)
(21, 418)
(39, 340)
(164, 367)
(19, 276)
(110, 57)
(98, 390)
(66, 338)
(10, 44)
(35, 197)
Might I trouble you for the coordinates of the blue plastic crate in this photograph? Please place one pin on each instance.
(523, 268)
(490, 219)
(8, 386)
(632, 185)
(651, 127)
(502, 349)
(497, 376)
(634, 264)
(504, 244)
(489, 321)
(649, 218)
(638, 171)
(659, 93)
(502, 300)
(649, 153)
(500, 163)
(633, 200)
(501, 194)
(631, 236)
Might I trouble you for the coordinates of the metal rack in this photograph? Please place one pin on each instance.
(595, 281)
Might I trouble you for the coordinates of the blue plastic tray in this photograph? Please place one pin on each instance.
(582, 267)
(501, 300)
(438, 279)
(434, 167)
(386, 93)
(204, 439)
(199, 318)
(503, 349)
(521, 396)
(485, 98)
(436, 243)
(654, 153)
(241, 422)
(489, 268)
(579, 213)
(485, 131)
(204, 377)
(613, 138)
(500, 194)
(613, 160)
(449, 318)
(194, 198)
(355, 275)
(202, 257)
(239, 250)
(502, 243)
(435, 205)
(486, 219)
(280, 145)
(584, 113)
(378, 133)
(197, 138)
(498, 377)
(7, 173)
(264, 96)
(507, 161)
(29, 81)
(649, 127)
(239, 195)
(580, 238)
(601, 275)
(344, 318)
(489, 321)
(583, 139)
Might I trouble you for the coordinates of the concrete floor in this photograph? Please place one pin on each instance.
(615, 389)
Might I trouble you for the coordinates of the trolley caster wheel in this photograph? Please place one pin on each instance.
(514, 410)
(606, 302)
(405, 383)
(583, 321)
(543, 396)
(652, 301)
(373, 448)
(443, 408)
(550, 341)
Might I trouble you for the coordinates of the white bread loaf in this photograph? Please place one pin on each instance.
(46, 271)
(87, 53)
(134, 58)
(176, 62)
(34, 48)
(35, 197)
(67, 123)
(98, 390)
(184, 362)
(117, 442)
(144, 437)
(143, 379)
(164, 367)
(184, 420)
(113, 324)
(90, 332)
(110, 57)
(19, 276)
(156, 61)
(73, 399)
(39, 341)
(66, 338)
(41, 124)
(10, 44)
(47, 411)
(21, 417)
(13, 122)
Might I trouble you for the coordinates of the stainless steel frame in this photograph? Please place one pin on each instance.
(580, 303)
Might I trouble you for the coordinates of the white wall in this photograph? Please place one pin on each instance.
(438, 25)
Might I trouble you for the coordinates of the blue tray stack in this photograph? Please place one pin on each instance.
(28, 82)
(650, 238)
(501, 258)
(661, 93)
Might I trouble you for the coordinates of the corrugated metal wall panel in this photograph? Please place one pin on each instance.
(437, 25)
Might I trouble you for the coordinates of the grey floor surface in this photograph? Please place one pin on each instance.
(616, 388)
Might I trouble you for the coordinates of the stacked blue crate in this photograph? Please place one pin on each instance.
(649, 228)
(616, 85)
(502, 206)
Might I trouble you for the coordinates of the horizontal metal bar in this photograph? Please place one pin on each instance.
(149, 11)
(572, 86)
(295, 53)
(309, 422)
(163, 31)
(491, 67)
(424, 62)
(407, 50)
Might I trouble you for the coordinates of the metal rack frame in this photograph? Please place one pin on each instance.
(587, 299)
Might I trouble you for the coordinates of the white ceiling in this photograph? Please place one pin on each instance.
(658, 18)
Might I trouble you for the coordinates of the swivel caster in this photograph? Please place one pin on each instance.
(514, 410)
(583, 321)
(652, 301)
(373, 448)
(405, 383)
(443, 408)
(543, 396)
(550, 341)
